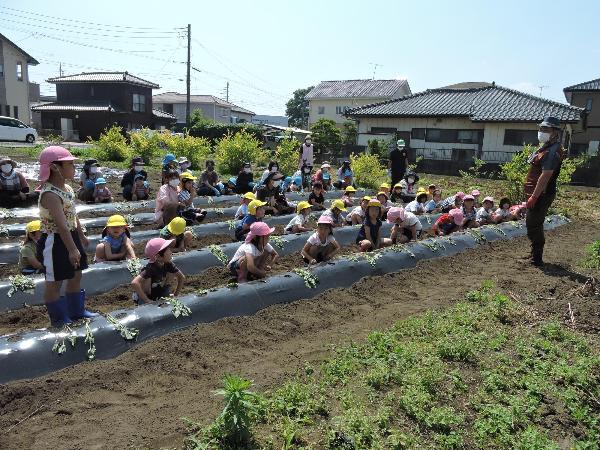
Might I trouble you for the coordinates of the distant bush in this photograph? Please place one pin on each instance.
(234, 150)
(286, 155)
(145, 143)
(200, 126)
(195, 149)
(368, 170)
(111, 146)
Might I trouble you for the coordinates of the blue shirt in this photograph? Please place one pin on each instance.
(373, 229)
(248, 219)
(115, 244)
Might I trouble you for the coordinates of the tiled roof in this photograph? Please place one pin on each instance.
(74, 107)
(176, 97)
(30, 59)
(104, 77)
(593, 85)
(487, 104)
(162, 114)
(356, 89)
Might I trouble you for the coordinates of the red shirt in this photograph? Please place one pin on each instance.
(444, 219)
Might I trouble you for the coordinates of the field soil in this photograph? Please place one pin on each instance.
(138, 399)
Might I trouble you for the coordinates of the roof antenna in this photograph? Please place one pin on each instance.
(542, 87)
(375, 66)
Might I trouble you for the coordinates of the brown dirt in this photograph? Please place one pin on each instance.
(138, 399)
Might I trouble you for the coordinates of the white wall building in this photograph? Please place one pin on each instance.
(14, 80)
(331, 99)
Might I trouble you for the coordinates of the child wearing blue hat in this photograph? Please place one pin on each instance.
(101, 192)
(169, 164)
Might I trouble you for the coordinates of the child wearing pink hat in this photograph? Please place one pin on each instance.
(61, 248)
(475, 193)
(321, 245)
(253, 259)
(454, 201)
(155, 280)
(485, 214)
(407, 226)
(449, 222)
(469, 212)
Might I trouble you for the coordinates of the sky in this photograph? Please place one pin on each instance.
(267, 49)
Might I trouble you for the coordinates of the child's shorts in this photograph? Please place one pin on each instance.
(53, 254)
(406, 232)
(156, 292)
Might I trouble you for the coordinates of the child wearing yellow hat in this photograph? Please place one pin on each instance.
(186, 195)
(256, 212)
(384, 187)
(369, 236)
(115, 244)
(348, 197)
(175, 230)
(28, 262)
(335, 212)
(357, 215)
(297, 224)
(243, 209)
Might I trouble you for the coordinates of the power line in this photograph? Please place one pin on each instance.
(79, 22)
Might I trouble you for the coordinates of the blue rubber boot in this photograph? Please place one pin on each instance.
(58, 312)
(76, 306)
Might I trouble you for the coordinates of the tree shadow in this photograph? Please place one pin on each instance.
(556, 270)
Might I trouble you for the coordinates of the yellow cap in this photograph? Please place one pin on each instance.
(302, 205)
(176, 226)
(367, 198)
(382, 193)
(249, 196)
(384, 186)
(374, 202)
(350, 189)
(339, 204)
(397, 185)
(422, 191)
(33, 226)
(116, 221)
(254, 204)
(187, 176)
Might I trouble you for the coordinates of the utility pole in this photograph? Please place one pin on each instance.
(189, 65)
(227, 92)
(60, 69)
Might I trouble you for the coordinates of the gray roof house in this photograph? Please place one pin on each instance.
(331, 99)
(212, 107)
(586, 95)
(461, 122)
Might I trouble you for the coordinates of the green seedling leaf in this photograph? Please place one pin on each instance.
(231, 224)
(90, 341)
(6, 214)
(277, 241)
(21, 283)
(134, 266)
(497, 229)
(218, 253)
(372, 258)
(177, 307)
(126, 333)
(310, 279)
(401, 248)
(4, 231)
(478, 236)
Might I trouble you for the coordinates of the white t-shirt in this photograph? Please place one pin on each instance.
(307, 155)
(298, 219)
(356, 211)
(411, 220)
(414, 207)
(339, 220)
(242, 210)
(483, 215)
(249, 247)
(504, 213)
(314, 240)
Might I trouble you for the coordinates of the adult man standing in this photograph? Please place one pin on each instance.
(398, 162)
(307, 154)
(540, 184)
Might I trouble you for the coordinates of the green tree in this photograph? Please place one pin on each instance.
(326, 136)
(234, 150)
(349, 132)
(297, 108)
(368, 170)
(286, 155)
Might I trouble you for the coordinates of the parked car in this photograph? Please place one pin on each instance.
(15, 130)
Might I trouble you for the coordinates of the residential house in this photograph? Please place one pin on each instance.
(261, 119)
(586, 95)
(331, 99)
(453, 125)
(88, 103)
(211, 107)
(14, 80)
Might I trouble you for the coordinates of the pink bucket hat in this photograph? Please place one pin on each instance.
(468, 197)
(457, 215)
(475, 193)
(395, 213)
(259, 229)
(51, 154)
(460, 194)
(325, 219)
(488, 199)
(155, 246)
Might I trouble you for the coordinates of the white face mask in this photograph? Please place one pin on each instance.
(93, 169)
(543, 137)
(6, 168)
(308, 142)
(411, 180)
(247, 170)
(274, 169)
(276, 183)
(138, 168)
(184, 166)
(174, 182)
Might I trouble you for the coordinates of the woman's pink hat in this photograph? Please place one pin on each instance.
(395, 213)
(457, 215)
(51, 154)
(259, 229)
(468, 197)
(460, 194)
(326, 219)
(155, 246)
(488, 199)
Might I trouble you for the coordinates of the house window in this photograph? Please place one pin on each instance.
(1, 70)
(417, 133)
(139, 103)
(224, 112)
(453, 136)
(321, 110)
(520, 137)
(7, 109)
(20, 71)
(92, 91)
(16, 112)
(588, 104)
(383, 130)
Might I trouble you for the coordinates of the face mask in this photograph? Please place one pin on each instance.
(276, 183)
(247, 169)
(6, 168)
(543, 137)
(308, 142)
(174, 182)
(93, 169)
(274, 169)
(411, 180)
(138, 168)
